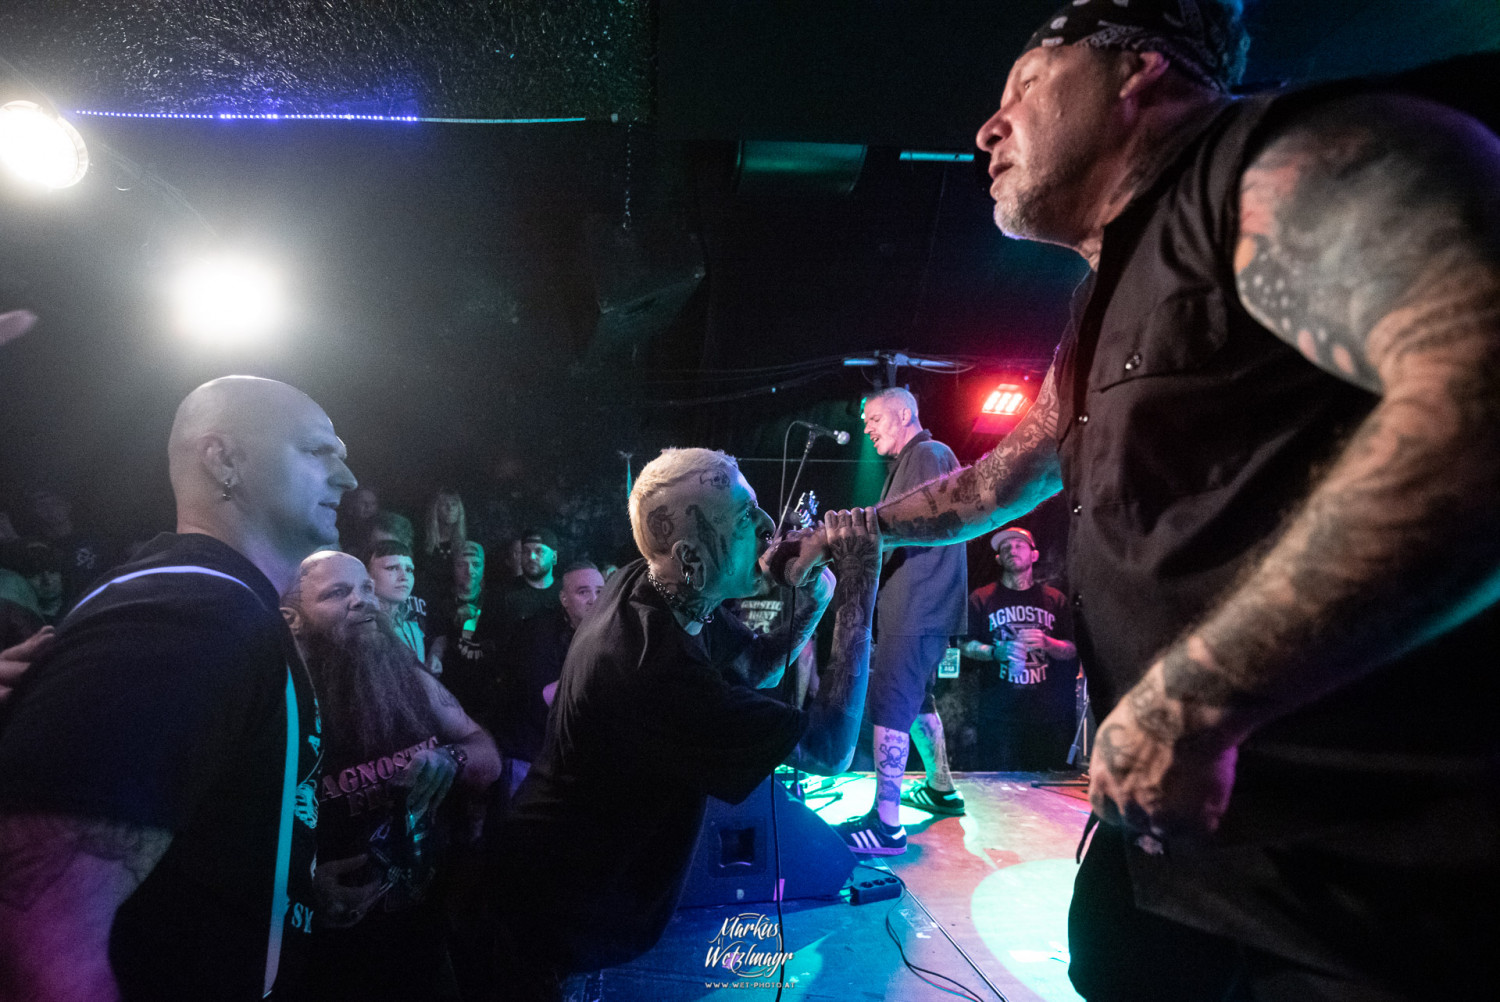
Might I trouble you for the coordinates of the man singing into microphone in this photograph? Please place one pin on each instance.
(657, 709)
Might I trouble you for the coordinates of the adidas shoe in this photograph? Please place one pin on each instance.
(869, 836)
(925, 798)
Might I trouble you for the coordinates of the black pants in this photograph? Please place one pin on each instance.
(1123, 954)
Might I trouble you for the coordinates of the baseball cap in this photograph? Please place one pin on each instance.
(544, 536)
(1014, 530)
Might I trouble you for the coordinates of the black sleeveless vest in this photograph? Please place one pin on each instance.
(1187, 434)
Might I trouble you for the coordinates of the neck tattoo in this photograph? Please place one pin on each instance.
(684, 606)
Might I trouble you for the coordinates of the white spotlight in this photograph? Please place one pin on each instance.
(228, 298)
(40, 147)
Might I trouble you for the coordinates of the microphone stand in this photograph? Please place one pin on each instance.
(786, 506)
(789, 599)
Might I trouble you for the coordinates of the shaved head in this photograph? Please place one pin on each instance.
(256, 464)
(241, 407)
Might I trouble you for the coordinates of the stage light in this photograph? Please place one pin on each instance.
(1002, 408)
(227, 298)
(40, 147)
(1006, 400)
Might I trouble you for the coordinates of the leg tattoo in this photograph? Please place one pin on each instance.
(927, 734)
(891, 747)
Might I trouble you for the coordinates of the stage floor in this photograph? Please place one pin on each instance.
(986, 905)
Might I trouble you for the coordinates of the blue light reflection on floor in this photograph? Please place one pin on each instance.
(1021, 912)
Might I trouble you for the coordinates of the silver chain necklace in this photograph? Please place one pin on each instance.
(675, 601)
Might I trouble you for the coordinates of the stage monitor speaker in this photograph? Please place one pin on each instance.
(735, 861)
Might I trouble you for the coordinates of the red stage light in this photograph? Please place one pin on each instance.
(1006, 400)
(1002, 409)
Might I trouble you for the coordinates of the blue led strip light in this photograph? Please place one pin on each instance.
(949, 158)
(323, 117)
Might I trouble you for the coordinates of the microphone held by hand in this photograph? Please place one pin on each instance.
(793, 559)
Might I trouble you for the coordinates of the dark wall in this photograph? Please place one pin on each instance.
(446, 293)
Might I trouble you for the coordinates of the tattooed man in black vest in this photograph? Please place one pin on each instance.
(1275, 418)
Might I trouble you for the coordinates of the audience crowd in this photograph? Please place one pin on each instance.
(436, 656)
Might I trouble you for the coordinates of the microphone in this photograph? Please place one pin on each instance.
(818, 431)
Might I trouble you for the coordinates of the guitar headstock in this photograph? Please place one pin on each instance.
(805, 514)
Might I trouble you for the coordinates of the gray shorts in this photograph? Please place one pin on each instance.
(902, 671)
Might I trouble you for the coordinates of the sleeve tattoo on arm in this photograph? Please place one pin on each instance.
(1370, 241)
(1006, 482)
(36, 850)
(1355, 223)
(857, 560)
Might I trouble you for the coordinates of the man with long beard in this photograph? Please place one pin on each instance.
(396, 744)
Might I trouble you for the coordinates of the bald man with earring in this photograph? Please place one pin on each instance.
(158, 770)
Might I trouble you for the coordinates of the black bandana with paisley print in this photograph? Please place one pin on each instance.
(1175, 28)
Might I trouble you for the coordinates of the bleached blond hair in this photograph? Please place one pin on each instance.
(674, 467)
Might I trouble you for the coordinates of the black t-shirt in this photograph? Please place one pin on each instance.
(511, 606)
(468, 669)
(85, 557)
(434, 571)
(647, 724)
(1038, 689)
(362, 814)
(486, 656)
(541, 648)
(165, 704)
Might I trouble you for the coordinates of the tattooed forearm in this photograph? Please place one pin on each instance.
(1010, 480)
(839, 704)
(978, 650)
(37, 851)
(1413, 498)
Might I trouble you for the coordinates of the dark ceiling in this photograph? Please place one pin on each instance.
(473, 298)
